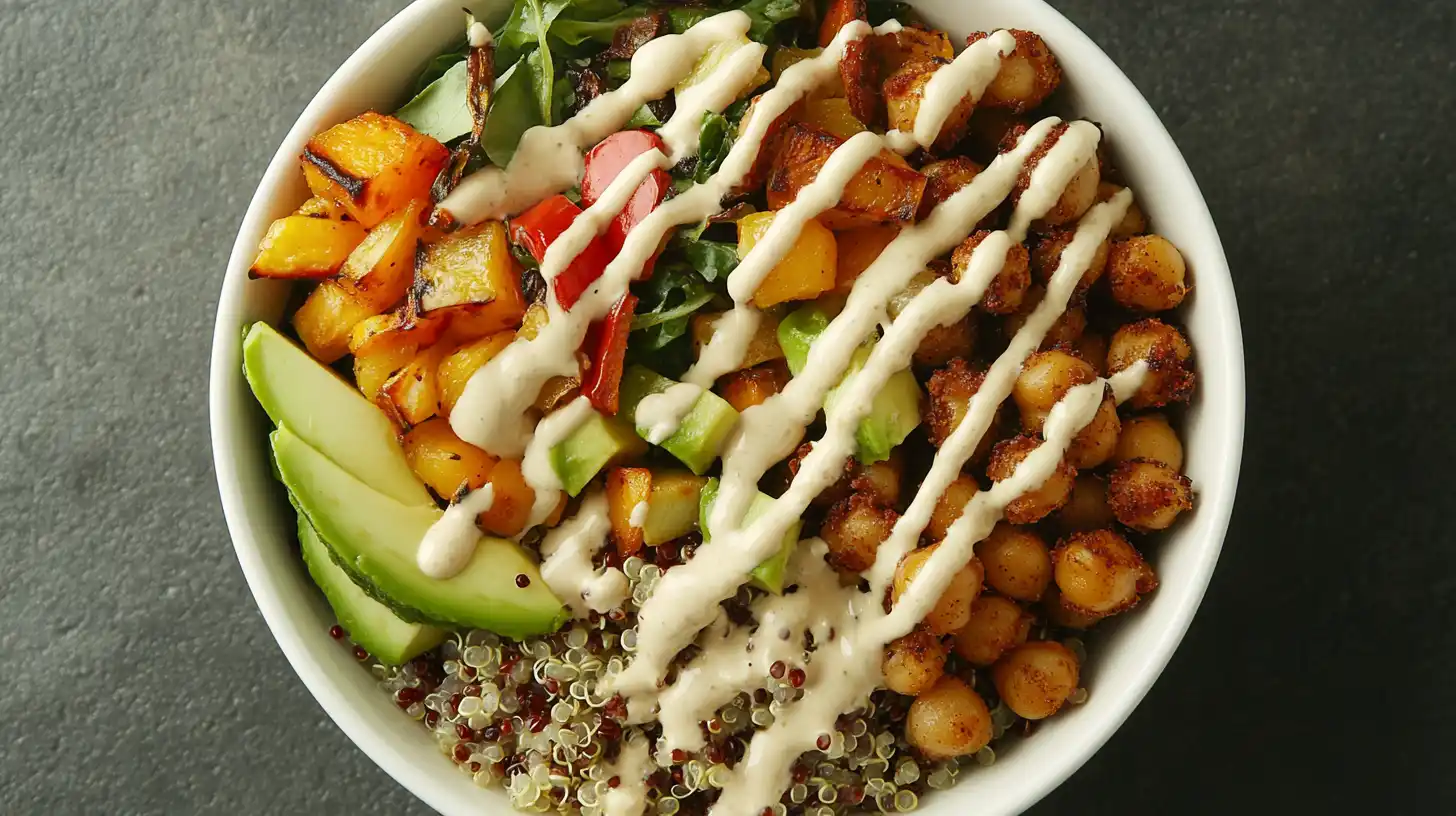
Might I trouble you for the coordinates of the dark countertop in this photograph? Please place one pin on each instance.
(137, 676)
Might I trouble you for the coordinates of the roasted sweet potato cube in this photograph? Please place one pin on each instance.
(786, 57)
(860, 73)
(374, 165)
(298, 246)
(383, 344)
(768, 149)
(511, 508)
(412, 395)
(470, 276)
(457, 367)
(374, 366)
(762, 348)
(379, 270)
(857, 250)
(882, 192)
(806, 272)
(909, 44)
(904, 91)
(944, 179)
(627, 488)
(753, 386)
(320, 207)
(832, 116)
(325, 320)
(444, 461)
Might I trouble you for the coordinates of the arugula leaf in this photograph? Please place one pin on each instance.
(572, 31)
(514, 110)
(528, 27)
(442, 109)
(713, 260)
(666, 302)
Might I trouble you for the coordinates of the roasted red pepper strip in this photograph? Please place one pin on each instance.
(604, 163)
(537, 228)
(606, 345)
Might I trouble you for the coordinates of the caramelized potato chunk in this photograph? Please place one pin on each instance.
(374, 165)
(882, 192)
(514, 500)
(412, 395)
(379, 270)
(326, 318)
(627, 489)
(944, 179)
(460, 364)
(905, 90)
(383, 344)
(858, 249)
(910, 44)
(763, 348)
(298, 246)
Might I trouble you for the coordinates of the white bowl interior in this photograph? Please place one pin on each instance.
(1127, 657)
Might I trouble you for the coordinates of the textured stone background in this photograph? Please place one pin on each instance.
(137, 676)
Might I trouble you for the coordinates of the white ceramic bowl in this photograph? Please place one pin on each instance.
(1128, 656)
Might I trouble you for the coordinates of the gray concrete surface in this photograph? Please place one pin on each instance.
(136, 676)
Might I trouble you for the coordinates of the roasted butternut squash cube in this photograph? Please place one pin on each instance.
(511, 508)
(860, 73)
(470, 276)
(857, 250)
(374, 367)
(379, 270)
(762, 348)
(325, 320)
(627, 488)
(320, 207)
(460, 365)
(374, 165)
(804, 274)
(784, 58)
(297, 246)
(753, 386)
(904, 91)
(944, 179)
(412, 395)
(444, 461)
(383, 344)
(768, 149)
(832, 116)
(910, 44)
(882, 192)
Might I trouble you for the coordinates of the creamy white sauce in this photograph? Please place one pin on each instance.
(661, 414)
(567, 567)
(478, 35)
(638, 516)
(536, 466)
(631, 770)
(969, 75)
(449, 544)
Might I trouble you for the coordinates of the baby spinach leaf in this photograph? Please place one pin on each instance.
(714, 260)
(715, 139)
(442, 109)
(528, 27)
(666, 302)
(767, 14)
(643, 118)
(438, 66)
(514, 110)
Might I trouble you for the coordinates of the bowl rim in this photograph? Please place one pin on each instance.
(229, 429)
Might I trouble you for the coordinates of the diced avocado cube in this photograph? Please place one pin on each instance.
(700, 436)
(769, 574)
(896, 409)
(595, 444)
(672, 509)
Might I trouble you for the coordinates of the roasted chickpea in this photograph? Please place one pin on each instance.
(1087, 509)
(1149, 437)
(1016, 561)
(914, 663)
(1076, 199)
(1036, 505)
(1064, 332)
(1170, 373)
(950, 505)
(1060, 614)
(1147, 273)
(953, 607)
(1006, 290)
(1100, 573)
(1095, 443)
(944, 179)
(997, 625)
(854, 530)
(1036, 678)
(1133, 222)
(948, 721)
(881, 479)
(1027, 77)
(1148, 496)
(1046, 256)
(1045, 379)
(951, 389)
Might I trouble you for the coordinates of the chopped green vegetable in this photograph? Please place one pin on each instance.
(714, 260)
(514, 110)
(675, 292)
(442, 110)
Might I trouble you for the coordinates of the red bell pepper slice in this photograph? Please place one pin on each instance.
(605, 162)
(606, 346)
(537, 228)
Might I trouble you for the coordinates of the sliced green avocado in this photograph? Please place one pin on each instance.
(328, 414)
(701, 434)
(896, 409)
(375, 539)
(596, 443)
(369, 623)
(768, 575)
(672, 509)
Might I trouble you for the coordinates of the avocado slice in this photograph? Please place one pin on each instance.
(672, 507)
(369, 623)
(769, 574)
(701, 434)
(896, 409)
(374, 539)
(596, 443)
(328, 414)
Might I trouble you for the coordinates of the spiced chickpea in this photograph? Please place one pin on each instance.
(1064, 331)
(1060, 614)
(950, 506)
(1150, 437)
(1146, 273)
(913, 663)
(1036, 505)
(1100, 573)
(1087, 509)
(1170, 375)
(1133, 222)
(996, 626)
(1095, 443)
(854, 530)
(1016, 561)
(1027, 76)
(1036, 678)
(1008, 288)
(1045, 379)
(1077, 198)
(949, 720)
(1046, 256)
(953, 608)
(1148, 496)
(951, 389)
